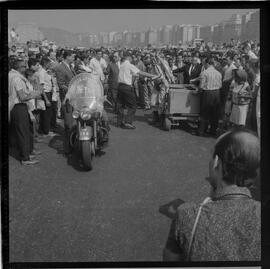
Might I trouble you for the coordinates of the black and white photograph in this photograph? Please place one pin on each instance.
(134, 135)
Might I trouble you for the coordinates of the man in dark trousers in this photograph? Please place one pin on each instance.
(113, 73)
(19, 116)
(126, 94)
(210, 85)
(190, 71)
(64, 74)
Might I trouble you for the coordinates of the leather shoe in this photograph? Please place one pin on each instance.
(129, 126)
(32, 157)
(29, 162)
(36, 152)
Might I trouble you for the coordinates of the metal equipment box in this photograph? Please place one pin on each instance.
(183, 101)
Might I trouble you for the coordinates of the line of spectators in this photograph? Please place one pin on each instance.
(49, 69)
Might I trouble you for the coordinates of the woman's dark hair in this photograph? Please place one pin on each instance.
(29, 72)
(83, 56)
(67, 53)
(241, 76)
(209, 60)
(32, 62)
(14, 62)
(111, 57)
(49, 52)
(239, 151)
(44, 61)
(38, 56)
(58, 54)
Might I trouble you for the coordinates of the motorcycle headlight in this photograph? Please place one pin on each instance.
(75, 114)
(85, 115)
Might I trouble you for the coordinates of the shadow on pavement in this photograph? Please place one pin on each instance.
(57, 143)
(169, 210)
(14, 153)
(74, 160)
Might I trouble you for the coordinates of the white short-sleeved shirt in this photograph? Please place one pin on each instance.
(16, 83)
(127, 70)
(103, 63)
(252, 55)
(45, 79)
(95, 65)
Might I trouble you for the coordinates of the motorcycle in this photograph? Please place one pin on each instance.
(91, 131)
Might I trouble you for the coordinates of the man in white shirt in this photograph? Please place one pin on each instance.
(103, 62)
(228, 71)
(19, 118)
(96, 66)
(250, 53)
(126, 94)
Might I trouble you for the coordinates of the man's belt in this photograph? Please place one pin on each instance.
(211, 90)
(121, 83)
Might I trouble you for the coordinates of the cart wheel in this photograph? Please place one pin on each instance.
(167, 124)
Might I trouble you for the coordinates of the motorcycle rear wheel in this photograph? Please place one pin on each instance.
(86, 151)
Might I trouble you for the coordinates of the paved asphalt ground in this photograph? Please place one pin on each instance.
(119, 211)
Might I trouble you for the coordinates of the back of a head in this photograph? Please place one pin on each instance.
(32, 62)
(67, 53)
(209, 60)
(126, 54)
(241, 76)
(239, 151)
(29, 73)
(83, 56)
(44, 61)
(14, 62)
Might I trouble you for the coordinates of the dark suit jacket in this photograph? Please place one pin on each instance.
(185, 69)
(113, 73)
(63, 76)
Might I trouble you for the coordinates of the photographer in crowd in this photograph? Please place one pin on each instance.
(227, 225)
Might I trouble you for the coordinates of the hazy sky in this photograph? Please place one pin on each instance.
(94, 21)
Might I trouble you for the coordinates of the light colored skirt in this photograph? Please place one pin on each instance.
(239, 114)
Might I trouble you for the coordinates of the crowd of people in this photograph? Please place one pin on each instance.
(226, 77)
(228, 82)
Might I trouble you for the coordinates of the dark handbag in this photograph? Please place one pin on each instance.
(244, 96)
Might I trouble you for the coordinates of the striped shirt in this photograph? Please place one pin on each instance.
(211, 79)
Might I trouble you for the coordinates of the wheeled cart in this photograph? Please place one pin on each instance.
(182, 103)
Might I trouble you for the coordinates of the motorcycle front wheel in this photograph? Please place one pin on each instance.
(86, 151)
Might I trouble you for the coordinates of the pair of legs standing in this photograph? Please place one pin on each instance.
(210, 111)
(126, 98)
(23, 129)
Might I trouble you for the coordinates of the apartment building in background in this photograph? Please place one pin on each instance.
(245, 27)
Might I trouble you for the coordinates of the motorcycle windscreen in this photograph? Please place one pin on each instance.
(86, 91)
